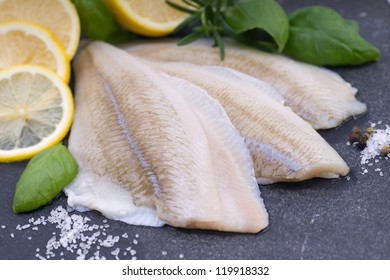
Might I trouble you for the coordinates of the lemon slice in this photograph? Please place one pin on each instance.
(152, 18)
(26, 43)
(36, 111)
(59, 16)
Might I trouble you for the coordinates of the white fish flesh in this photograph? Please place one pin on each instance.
(151, 153)
(283, 146)
(318, 95)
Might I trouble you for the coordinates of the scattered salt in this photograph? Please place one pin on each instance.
(76, 235)
(375, 143)
(109, 241)
(181, 256)
(164, 253)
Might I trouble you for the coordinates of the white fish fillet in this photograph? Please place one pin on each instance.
(283, 146)
(318, 95)
(152, 153)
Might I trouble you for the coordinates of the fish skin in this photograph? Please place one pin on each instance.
(283, 146)
(158, 154)
(318, 95)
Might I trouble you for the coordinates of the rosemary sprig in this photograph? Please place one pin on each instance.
(205, 20)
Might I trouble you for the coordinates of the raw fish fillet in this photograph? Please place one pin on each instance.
(318, 95)
(151, 153)
(283, 146)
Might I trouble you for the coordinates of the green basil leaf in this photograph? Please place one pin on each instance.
(98, 23)
(45, 176)
(267, 15)
(320, 36)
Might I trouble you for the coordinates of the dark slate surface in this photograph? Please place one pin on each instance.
(318, 219)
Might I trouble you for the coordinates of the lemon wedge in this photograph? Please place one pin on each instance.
(26, 43)
(59, 16)
(153, 18)
(36, 111)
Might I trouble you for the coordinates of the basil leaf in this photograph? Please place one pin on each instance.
(267, 15)
(320, 36)
(46, 174)
(98, 23)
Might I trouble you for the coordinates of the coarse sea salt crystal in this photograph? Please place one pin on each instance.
(116, 252)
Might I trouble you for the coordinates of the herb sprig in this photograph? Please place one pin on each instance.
(316, 35)
(205, 20)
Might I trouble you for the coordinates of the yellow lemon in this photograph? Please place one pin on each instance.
(152, 18)
(59, 16)
(26, 43)
(36, 111)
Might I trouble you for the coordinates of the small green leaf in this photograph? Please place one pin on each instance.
(320, 36)
(265, 15)
(98, 23)
(45, 176)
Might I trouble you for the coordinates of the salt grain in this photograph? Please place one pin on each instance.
(164, 253)
(115, 252)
